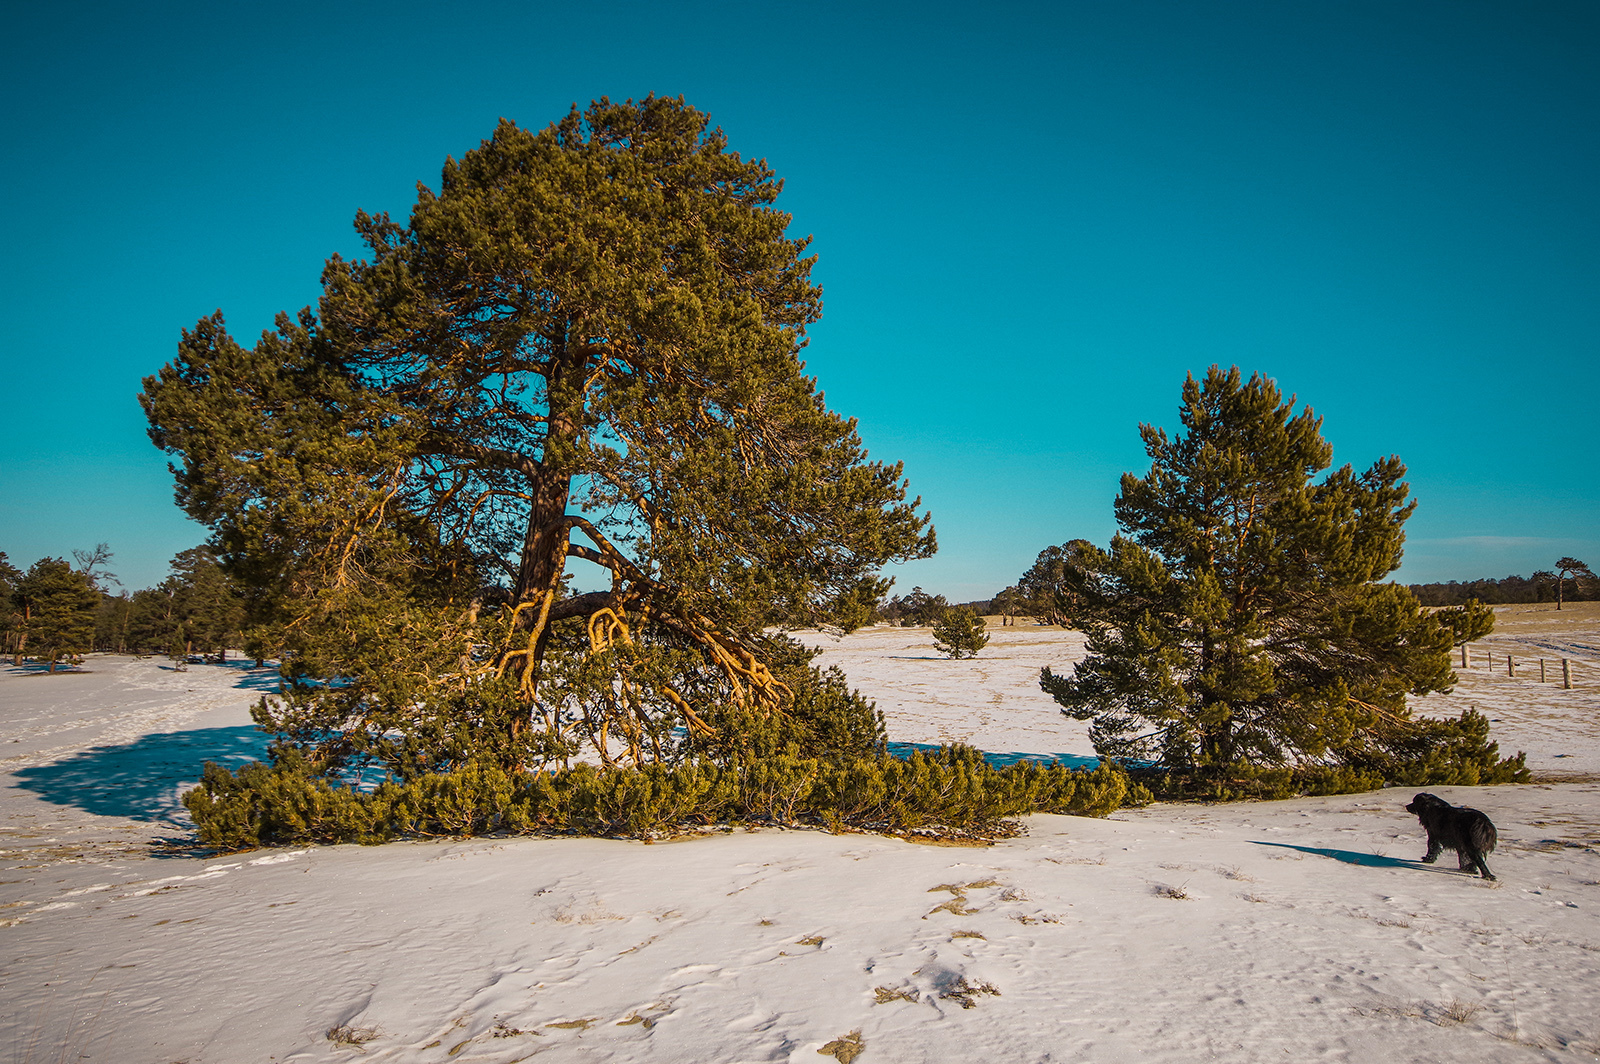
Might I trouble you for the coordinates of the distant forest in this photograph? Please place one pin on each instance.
(1540, 587)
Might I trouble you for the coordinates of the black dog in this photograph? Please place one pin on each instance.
(1453, 827)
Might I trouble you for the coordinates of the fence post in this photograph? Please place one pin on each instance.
(1463, 655)
(1566, 675)
(1511, 667)
(1541, 670)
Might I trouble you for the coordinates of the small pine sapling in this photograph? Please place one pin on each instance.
(960, 633)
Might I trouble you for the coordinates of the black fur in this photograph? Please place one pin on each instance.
(1451, 827)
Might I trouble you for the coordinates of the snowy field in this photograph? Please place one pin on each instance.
(1299, 931)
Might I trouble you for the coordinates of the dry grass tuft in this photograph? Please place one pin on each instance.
(1456, 1011)
(968, 934)
(883, 995)
(575, 1025)
(955, 906)
(1175, 893)
(845, 1049)
(811, 940)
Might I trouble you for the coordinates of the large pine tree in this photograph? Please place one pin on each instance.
(1240, 618)
(585, 345)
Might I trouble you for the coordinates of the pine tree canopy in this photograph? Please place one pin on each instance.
(1239, 618)
(57, 606)
(960, 633)
(584, 345)
(1046, 589)
(1569, 568)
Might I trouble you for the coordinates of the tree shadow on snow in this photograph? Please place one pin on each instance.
(42, 668)
(1001, 760)
(144, 779)
(266, 679)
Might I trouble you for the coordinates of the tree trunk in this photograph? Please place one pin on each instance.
(544, 545)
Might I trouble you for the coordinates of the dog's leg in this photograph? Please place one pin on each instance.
(1482, 865)
(1433, 850)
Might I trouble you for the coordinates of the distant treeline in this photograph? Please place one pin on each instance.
(56, 611)
(1540, 587)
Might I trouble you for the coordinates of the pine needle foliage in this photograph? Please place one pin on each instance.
(1239, 636)
(960, 633)
(582, 348)
(950, 791)
(54, 612)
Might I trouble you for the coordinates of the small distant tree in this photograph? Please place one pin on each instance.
(111, 611)
(111, 622)
(960, 633)
(1238, 622)
(207, 607)
(58, 605)
(1007, 604)
(93, 564)
(917, 609)
(1047, 588)
(152, 618)
(10, 609)
(1570, 569)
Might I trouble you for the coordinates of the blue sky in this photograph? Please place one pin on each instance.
(1032, 221)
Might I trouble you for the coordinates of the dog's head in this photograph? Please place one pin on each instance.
(1424, 803)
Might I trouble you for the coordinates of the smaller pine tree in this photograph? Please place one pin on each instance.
(960, 633)
(59, 604)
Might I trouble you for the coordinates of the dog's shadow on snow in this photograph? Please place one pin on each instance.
(1368, 860)
(144, 779)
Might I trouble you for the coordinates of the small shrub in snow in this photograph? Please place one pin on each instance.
(960, 633)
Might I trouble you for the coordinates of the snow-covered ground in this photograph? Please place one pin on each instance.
(1285, 931)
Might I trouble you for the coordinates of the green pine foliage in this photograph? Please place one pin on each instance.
(582, 346)
(950, 792)
(917, 609)
(1467, 622)
(1239, 638)
(55, 606)
(11, 609)
(960, 633)
(196, 609)
(1046, 589)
